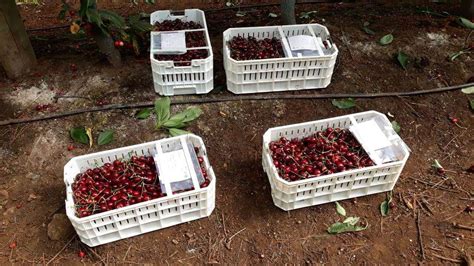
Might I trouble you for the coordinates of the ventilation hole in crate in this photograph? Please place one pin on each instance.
(95, 222)
(98, 229)
(322, 189)
(384, 177)
(367, 180)
(347, 184)
(360, 181)
(297, 194)
(120, 222)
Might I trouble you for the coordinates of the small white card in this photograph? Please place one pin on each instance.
(370, 136)
(173, 167)
(302, 42)
(173, 42)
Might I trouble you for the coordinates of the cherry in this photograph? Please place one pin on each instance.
(81, 254)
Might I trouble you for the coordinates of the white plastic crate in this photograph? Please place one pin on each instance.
(279, 74)
(143, 217)
(169, 78)
(338, 186)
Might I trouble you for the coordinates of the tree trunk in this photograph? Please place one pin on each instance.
(106, 46)
(288, 12)
(16, 54)
(467, 8)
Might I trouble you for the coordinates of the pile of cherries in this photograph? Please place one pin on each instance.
(119, 184)
(325, 152)
(183, 59)
(177, 24)
(251, 49)
(195, 39)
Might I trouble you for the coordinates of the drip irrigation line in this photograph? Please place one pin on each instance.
(259, 97)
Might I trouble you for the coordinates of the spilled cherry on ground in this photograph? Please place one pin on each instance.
(325, 152)
(121, 183)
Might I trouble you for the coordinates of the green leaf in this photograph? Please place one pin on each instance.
(351, 220)
(79, 134)
(344, 103)
(113, 18)
(150, 2)
(138, 25)
(396, 127)
(105, 137)
(471, 103)
(338, 228)
(402, 59)
(468, 90)
(384, 208)
(176, 132)
(453, 56)
(437, 165)
(366, 29)
(466, 23)
(143, 114)
(340, 209)
(387, 39)
(174, 123)
(188, 115)
(162, 110)
(307, 15)
(240, 14)
(272, 15)
(64, 8)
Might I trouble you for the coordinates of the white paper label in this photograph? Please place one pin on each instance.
(173, 42)
(302, 42)
(173, 167)
(370, 136)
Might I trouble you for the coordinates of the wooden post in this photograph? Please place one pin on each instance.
(288, 12)
(16, 54)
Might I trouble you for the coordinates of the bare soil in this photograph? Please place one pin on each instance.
(33, 155)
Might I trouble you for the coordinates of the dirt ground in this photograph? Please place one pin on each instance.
(33, 155)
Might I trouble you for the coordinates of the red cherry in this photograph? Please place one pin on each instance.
(81, 254)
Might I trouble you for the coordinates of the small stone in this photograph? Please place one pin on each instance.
(4, 196)
(175, 241)
(299, 222)
(189, 235)
(9, 211)
(262, 256)
(32, 197)
(60, 227)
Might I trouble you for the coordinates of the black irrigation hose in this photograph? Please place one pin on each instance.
(259, 97)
